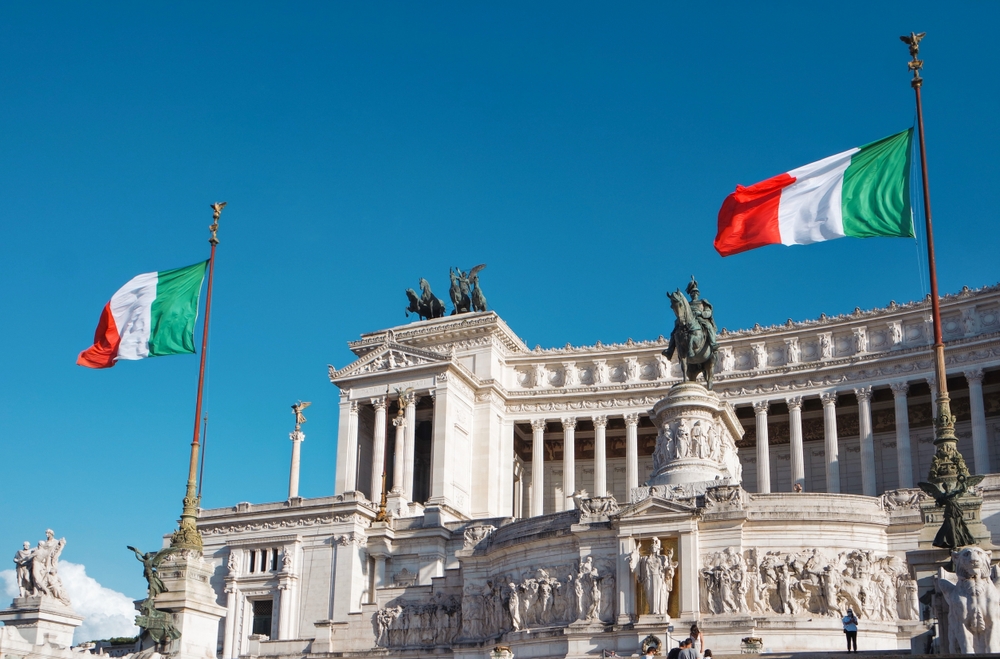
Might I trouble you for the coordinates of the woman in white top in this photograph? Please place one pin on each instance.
(699, 639)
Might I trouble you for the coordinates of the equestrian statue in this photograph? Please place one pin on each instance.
(693, 336)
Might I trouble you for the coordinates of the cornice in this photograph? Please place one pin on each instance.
(444, 332)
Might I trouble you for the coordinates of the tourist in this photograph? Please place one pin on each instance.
(698, 639)
(707, 654)
(675, 652)
(687, 650)
(851, 629)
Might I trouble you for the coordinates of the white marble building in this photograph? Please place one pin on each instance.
(483, 440)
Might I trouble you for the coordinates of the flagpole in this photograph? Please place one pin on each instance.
(948, 466)
(187, 535)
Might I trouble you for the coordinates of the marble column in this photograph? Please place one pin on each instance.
(831, 443)
(398, 451)
(763, 453)
(904, 456)
(795, 441)
(569, 462)
(297, 437)
(347, 480)
(378, 447)
(864, 395)
(631, 454)
(600, 456)
(537, 467)
(980, 445)
(409, 443)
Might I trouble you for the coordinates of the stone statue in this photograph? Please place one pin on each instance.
(973, 603)
(150, 569)
(693, 336)
(954, 532)
(22, 559)
(427, 306)
(655, 573)
(38, 568)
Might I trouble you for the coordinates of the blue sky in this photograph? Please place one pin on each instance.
(581, 150)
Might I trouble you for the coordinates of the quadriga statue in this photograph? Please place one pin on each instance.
(973, 600)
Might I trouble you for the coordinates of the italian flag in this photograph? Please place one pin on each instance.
(150, 316)
(862, 192)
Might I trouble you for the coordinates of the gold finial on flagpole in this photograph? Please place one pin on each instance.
(913, 41)
(216, 212)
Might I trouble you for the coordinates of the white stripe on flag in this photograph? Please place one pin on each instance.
(132, 309)
(810, 210)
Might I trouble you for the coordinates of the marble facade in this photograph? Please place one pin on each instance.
(525, 487)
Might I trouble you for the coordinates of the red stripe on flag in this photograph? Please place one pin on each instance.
(106, 339)
(749, 217)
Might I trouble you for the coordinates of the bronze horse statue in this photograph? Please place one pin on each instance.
(689, 339)
(426, 306)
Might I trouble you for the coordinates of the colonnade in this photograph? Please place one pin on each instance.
(403, 447)
(980, 462)
(538, 428)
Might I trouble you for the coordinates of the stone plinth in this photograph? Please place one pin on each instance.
(42, 620)
(192, 601)
(697, 439)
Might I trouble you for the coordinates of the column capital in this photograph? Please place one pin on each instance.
(406, 399)
(794, 402)
(379, 402)
(760, 407)
(899, 389)
(974, 376)
(538, 425)
(297, 436)
(829, 398)
(354, 407)
(864, 394)
(600, 421)
(632, 419)
(399, 421)
(569, 423)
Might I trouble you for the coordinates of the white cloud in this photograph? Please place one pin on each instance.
(105, 612)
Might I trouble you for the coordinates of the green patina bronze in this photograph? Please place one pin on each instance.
(693, 337)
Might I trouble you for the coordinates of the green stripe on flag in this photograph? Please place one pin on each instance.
(175, 310)
(876, 193)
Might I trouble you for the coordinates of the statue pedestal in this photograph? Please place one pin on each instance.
(42, 620)
(191, 600)
(697, 439)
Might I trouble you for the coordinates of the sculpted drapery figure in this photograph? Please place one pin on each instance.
(655, 573)
(694, 335)
(22, 559)
(38, 568)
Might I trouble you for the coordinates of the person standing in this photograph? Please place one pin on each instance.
(697, 639)
(851, 629)
(687, 650)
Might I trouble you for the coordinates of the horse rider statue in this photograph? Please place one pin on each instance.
(694, 334)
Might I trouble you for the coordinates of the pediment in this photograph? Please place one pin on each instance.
(656, 506)
(390, 356)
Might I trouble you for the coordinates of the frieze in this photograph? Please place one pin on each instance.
(283, 524)
(808, 583)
